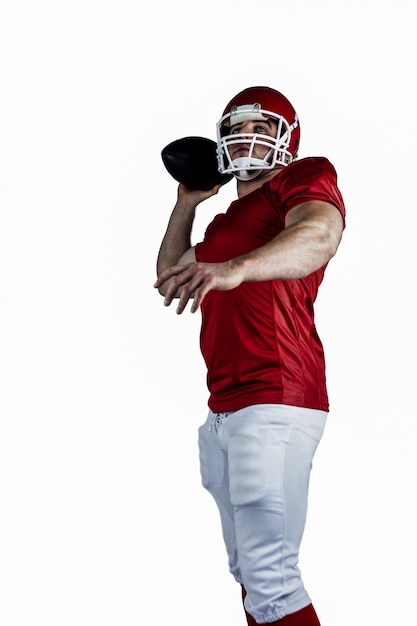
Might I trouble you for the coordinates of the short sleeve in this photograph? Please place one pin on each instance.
(313, 178)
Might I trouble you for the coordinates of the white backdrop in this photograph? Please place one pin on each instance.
(102, 517)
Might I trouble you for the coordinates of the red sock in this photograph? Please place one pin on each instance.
(304, 617)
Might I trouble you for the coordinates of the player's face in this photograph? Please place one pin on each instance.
(268, 128)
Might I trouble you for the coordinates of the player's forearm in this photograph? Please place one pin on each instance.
(298, 251)
(177, 238)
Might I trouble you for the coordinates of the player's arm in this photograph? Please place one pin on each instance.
(312, 234)
(176, 249)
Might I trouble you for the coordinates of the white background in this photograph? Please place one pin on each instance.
(102, 517)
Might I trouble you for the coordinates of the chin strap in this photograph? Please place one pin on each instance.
(242, 164)
(248, 174)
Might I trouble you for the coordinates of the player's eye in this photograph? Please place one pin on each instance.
(259, 129)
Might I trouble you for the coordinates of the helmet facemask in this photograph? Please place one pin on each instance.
(249, 167)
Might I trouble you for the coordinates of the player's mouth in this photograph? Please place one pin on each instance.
(242, 150)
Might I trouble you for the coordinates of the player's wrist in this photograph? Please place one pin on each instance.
(241, 267)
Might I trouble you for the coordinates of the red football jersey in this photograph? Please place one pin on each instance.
(259, 340)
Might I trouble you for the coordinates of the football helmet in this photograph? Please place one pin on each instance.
(257, 104)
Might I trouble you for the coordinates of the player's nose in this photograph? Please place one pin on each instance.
(247, 127)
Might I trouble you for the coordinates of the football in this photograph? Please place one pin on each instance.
(192, 161)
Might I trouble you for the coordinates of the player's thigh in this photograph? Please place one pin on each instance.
(270, 450)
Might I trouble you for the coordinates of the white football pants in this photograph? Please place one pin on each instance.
(256, 463)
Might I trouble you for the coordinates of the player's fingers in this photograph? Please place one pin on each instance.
(205, 286)
(174, 270)
(188, 291)
(199, 282)
(171, 280)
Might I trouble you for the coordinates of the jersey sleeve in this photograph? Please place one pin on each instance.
(313, 178)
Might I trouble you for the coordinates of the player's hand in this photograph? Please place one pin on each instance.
(195, 280)
(195, 196)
